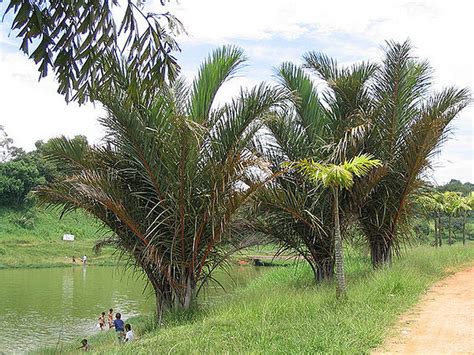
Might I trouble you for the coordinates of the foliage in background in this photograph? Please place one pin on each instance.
(445, 208)
(17, 178)
(7, 150)
(21, 172)
(456, 186)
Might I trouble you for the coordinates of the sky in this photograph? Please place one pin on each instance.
(270, 32)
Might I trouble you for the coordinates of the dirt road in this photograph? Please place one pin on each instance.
(442, 323)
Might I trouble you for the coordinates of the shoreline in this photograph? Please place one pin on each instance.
(266, 315)
(53, 265)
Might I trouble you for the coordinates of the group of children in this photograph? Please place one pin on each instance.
(124, 331)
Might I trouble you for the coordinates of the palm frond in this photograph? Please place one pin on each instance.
(219, 67)
(322, 65)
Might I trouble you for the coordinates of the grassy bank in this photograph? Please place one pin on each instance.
(283, 312)
(33, 238)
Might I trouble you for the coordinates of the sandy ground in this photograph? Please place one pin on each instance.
(441, 323)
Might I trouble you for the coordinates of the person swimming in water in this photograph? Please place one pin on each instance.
(102, 321)
(110, 318)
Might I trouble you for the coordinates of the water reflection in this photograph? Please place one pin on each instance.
(44, 306)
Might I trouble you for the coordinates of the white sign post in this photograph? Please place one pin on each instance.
(68, 237)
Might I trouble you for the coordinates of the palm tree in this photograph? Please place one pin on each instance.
(408, 125)
(325, 126)
(291, 213)
(336, 177)
(453, 204)
(469, 202)
(289, 210)
(461, 208)
(174, 169)
(387, 111)
(433, 205)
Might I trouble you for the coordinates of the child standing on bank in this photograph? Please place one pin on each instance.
(129, 333)
(119, 326)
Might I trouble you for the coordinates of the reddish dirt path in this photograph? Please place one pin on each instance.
(441, 323)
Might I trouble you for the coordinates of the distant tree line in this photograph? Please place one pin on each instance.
(456, 186)
(21, 172)
(450, 211)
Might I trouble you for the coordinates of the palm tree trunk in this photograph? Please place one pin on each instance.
(440, 231)
(380, 251)
(436, 231)
(162, 294)
(339, 257)
(324, 270)
(188, 295)
(160, 307)
(464, 229)
(321, 266)
(449, 230)
(162, 299)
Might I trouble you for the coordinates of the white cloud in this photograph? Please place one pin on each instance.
(440, 30)
(274, 31)
(32, 110)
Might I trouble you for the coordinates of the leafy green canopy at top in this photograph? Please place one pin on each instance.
(337, 175)
(83, 42)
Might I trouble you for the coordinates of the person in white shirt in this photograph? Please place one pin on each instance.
(84, 259)
(129, 336)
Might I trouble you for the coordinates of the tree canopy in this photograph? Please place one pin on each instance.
(21, 172)
(170, 177)
(456, 185)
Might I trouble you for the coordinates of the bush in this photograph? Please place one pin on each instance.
(25, 220)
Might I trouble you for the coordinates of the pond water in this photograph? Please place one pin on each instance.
(39, 307)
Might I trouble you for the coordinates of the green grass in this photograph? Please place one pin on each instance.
(283, 312)
(33, 238)
(266, 250)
